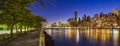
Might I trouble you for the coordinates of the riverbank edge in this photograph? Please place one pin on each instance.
(48, 40)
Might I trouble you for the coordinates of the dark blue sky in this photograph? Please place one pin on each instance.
(64, 9)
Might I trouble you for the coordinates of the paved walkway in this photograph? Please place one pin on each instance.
(35, 38)
(30, 39)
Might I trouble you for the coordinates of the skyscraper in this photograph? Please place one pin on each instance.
(75, 15)
(60, 23)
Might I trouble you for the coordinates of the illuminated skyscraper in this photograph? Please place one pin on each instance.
(75, 15)
(60, 23)
(117, 13)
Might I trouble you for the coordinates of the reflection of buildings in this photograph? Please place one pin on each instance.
(101, 36)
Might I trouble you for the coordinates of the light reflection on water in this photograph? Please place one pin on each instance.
(85, 37)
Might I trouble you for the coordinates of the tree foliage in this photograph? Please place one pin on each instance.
(13, 12)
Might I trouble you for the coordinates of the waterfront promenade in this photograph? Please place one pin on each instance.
(35, 37)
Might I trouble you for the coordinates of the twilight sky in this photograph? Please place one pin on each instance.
(64, 9)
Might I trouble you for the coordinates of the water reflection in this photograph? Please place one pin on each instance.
(85, 37)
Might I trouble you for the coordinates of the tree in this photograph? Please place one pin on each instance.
(13, 10)
(38, 21)
(10, 13)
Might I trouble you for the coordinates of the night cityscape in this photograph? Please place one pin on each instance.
(59, 22)
(110, 20)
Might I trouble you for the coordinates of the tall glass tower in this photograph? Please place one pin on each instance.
(75, 15)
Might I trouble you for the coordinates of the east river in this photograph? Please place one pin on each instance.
(84, 37)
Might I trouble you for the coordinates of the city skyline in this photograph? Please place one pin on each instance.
(63, 9)
(59, 22)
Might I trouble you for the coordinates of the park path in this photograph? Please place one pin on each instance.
(30, 39)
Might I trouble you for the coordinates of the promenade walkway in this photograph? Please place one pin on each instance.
(30, 39)
(34, 38)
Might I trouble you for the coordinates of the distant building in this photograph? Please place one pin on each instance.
(60, 23)
(75, 16)
(46, 25)
(117, 14)
(72, 22)
(111, 19)
(54, 24)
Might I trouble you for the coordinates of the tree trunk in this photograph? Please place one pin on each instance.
(8, 27)
(27, 28)
(11, 30)
(20, 28)
(16, 29)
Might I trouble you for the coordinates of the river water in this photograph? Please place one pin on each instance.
(84, 37)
